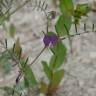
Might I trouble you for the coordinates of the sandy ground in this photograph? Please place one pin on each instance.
(80, 67)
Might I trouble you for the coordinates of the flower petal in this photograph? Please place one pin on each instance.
(54, 39)
(46, 40)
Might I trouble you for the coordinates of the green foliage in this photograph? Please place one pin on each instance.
(12, 30)
(66, 7)
(51, 70)
(60, 29)
(54, 78)
(81, 10)
(59, 55)
(5, 7)
(43, 87)
(17, 47)
(26, 83)
(28, 74)
(47, 70)
(57, 77)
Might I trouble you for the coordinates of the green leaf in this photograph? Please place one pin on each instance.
(12, 30)
(59, 55)
(29, 75)
(26, 83)
(83, 9)
(67, 10)
(66, 7)
(17, 48)
(60, 28)
(43, 88)
(47, 70)
(57, 77)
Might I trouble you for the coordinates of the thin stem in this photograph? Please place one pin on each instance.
(63, 38)
(14, 58)
(76, 28)
(5, 13)
(38, 55)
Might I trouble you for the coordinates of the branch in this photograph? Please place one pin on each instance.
(38, 55)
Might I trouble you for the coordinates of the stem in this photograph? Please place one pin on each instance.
(38, 56)
(76, 28)
(16, 60)
(74, 35)
(5, 13)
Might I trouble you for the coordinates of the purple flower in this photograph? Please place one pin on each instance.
(54, 39)
(46, 40)
(50, 39)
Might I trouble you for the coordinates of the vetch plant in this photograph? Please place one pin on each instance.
(26, 83)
